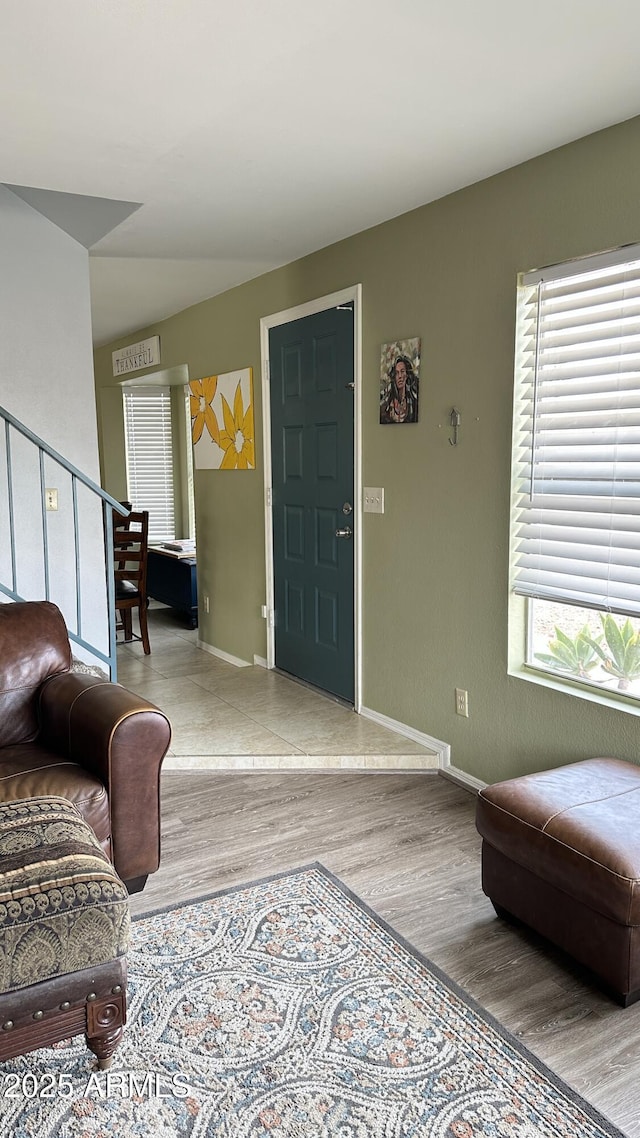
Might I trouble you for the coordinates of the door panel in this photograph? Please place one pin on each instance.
(311, 369)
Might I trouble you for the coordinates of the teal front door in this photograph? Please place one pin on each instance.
(312, 417)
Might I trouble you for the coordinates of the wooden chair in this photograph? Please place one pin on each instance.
(130, 542)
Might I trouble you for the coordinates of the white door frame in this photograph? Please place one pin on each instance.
(344, 296)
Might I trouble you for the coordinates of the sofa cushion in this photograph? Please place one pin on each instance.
(33, 645)
(29, 771)
(63, 908)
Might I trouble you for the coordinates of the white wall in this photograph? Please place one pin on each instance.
(46, 381)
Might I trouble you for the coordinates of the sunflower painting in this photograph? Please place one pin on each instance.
(222, 426)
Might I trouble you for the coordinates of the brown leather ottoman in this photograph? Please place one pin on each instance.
(561, 852)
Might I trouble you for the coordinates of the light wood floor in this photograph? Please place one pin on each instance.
(407, 845)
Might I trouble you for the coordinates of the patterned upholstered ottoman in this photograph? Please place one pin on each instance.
(64, 929)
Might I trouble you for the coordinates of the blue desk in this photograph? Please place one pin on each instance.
(173, 580)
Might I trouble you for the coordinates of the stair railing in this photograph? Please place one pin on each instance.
(108, 505)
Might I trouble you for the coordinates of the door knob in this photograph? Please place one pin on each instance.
(344, 532)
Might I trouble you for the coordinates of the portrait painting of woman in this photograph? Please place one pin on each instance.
(399, 384)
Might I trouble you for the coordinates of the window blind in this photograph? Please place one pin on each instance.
(576, 445)
(149, 457)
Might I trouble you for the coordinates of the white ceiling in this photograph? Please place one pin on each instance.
(252, 132)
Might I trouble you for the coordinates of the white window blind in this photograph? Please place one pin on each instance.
(576, 453)
(149, 451)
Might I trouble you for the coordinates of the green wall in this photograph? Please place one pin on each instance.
(436, 563)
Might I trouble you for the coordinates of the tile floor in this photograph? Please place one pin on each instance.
(224, 716)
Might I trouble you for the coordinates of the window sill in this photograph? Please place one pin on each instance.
(606, 697)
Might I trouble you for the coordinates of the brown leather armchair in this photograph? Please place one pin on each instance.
(79, 737)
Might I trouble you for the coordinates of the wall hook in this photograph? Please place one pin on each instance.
(454, 419)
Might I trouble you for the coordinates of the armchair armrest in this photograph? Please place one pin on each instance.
(122, 739)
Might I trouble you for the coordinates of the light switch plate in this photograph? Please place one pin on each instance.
(373, 499)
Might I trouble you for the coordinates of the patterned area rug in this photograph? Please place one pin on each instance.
(287, 1009)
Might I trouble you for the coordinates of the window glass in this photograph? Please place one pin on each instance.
(600, 650)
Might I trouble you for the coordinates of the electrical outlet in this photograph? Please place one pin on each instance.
(462, 702)
(205, 600)
(373, 499)
(51, 498)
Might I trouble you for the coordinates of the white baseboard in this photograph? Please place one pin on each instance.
(236, 660)
(468, 781)
(440, 749)
(260, 661)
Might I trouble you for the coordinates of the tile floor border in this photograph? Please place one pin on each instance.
(396, 763)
